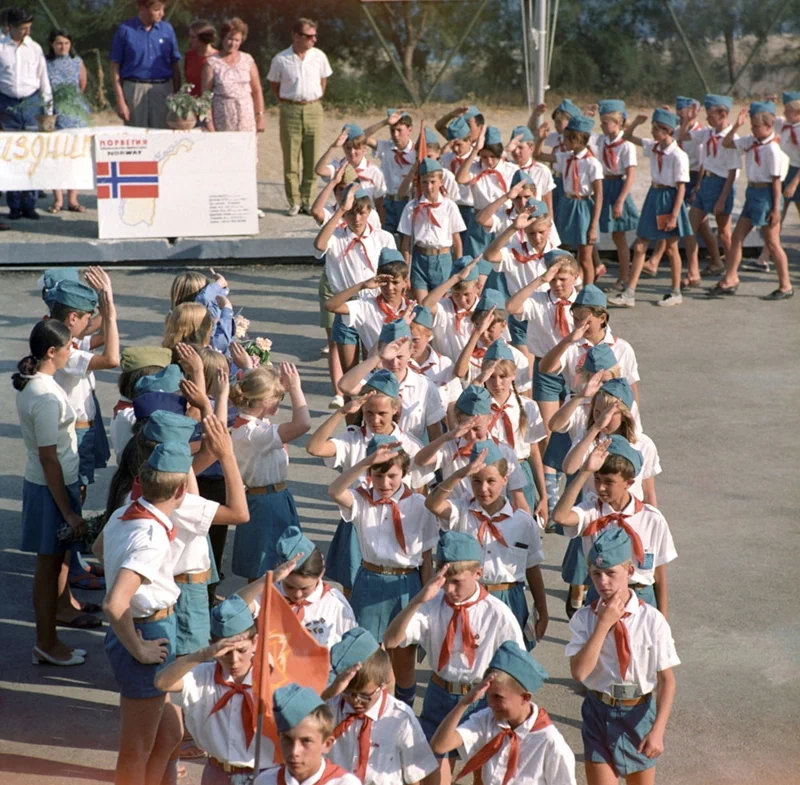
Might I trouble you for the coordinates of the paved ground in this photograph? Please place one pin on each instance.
(719, 383)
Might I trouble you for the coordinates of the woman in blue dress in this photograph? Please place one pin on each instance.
(65, 67)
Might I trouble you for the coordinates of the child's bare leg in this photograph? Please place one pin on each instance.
(404, 664)
(585, 261)
(704, 230)
(772, 238)
(600, 774)
(655, 257)
(547, 409)
(724, 232)
(620, 241)
(734, 259)
(168, 738)
(334, 364)
(139, 723)
(674, 255)
(646, 777)
(599, 267)
(49, 569)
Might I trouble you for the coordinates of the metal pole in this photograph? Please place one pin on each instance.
(526, 54)
(758, 44)
(553, 22)
(49, 14)
(541, 52)
(259, 737)
(686, 45)
(453, 52)
(412, 91)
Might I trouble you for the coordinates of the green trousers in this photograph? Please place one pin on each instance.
(301, 127)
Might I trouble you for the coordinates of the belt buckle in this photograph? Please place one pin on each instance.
(624, 692)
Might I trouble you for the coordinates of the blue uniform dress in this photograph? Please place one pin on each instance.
(668, 167)
(576, 208)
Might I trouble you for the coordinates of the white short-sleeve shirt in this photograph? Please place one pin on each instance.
(540, 311)
(368, 313)
(544, 756)
(651, 643)
(616, 155)
(399, 751)
(376, 533)
(692, 149)
(395, 163)
(220, 734)
(542, 177)
(417, 222)
(452, 163)
(192, 520)
(142, 545)
(271, 776)
(573, 358)
(770, 158)
(451, 333)
(300, 78)
(349, 259)
(422, 405)
(492, 623)
(533, 431)
(439, 370)
(674, 167)
(715, 158)
(490, 184)
(78, 381)
(555, 141)
(589, 170)
(47, 418)
(259, 451)
(789, 135)
(649, 524)
(328, 615)
(517, 266)
(501, 563)
(369, 176)
(121, 429)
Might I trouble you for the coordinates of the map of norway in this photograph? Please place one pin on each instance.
(134, 184)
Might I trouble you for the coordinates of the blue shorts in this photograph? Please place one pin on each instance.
(693, 175)
(573, 220)
(660, 201)
(557, 448)
(467, 213)
(341, 333)
(437, 704)
(41, 518)
(193, 622)
(548, 386)
(758, 205)
(430, 271)
(519, 331)
(792, 172)
(134, 678)
(377, 598)
(709, 192)
(254, 542)
(393, 209)
(611, 734)
(343, 560)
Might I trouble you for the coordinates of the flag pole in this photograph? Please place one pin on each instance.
(263, 632)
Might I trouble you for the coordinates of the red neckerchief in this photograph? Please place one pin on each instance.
(712, 143)
(459, 315)
(422, 368)
(524, 256)
(359, 240)
(621, 639)
(332, 771)
(248, 704)
(610, 154)
(621, 520)
(388, 314)
(576, 178)
(485, 173)
(364, 735)
(397, 516)
(456, 163)
(430, 207)
(137, 511)
(757, 145)
(792, 129)
(467, 635)
(491, 748)
(587, 347)
(300, 606)
(659, 153)
(500, 411)
(240, 421)
(120, 406)
(488, 525)
(400, 157)
(560, 320)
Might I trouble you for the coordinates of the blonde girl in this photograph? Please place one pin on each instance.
(194, 287)
(188, 323)
(260, 450)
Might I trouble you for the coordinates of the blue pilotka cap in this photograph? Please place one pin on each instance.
(292, 542)
(620, 389)
(458, 546)
(394, 331)
(622, 447)
(464, 261)
(712, 99)
(431, 136)
(72, 294)
(493, 135)
(763, 106)
(353, 131)
(538, 209)
(292, 704)
(423, 316)
(231, 617)
(499, 350)
(474, 400)
(389, 255)
(684, 102)
(429, 166)
(356, 646)
(790, 96)
(171, 457)
(491, 298)
(384, 382)
(166, 381)
(458, 129)
(524, 132)
(55, 275)
(147, 404)
(557, 253)
(569, 107)
(521, 177)
(472, 111)
(390, 112)
(613, 546)
(609, 105)
(379, 440)
(599, 358)
(591, 296)
(164, 426)
(667, 118)
(493, 454)
(519, 664)
(581, 123)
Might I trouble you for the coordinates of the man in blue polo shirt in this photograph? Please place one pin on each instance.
(144, 66)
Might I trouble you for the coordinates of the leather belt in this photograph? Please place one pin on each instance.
(759, 185)
(500, 586)
(381, 570)
(229, 768)
(712, 174)
(604, 697)
(454, 688)
(576, 197)
(431, 250)
(299, 103)
(260, 490)
(84, 424)
(660, 187)
(164, 613)
(193, 577)
(613, 176)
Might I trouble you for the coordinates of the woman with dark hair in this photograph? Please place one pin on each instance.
(65, 67)
(202, 37)
(51, 501)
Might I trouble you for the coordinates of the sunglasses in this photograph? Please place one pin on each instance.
(361, 697)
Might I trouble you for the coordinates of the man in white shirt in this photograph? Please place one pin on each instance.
(298, 77)
(24, 93)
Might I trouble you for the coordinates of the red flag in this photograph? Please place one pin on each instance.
(294, 653)
(422, 153)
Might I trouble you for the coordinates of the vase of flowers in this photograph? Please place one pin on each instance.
(186, 110)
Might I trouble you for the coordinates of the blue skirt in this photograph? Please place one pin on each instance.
(514, 598)
(343, 560)
(393, 209)
(437, 704)
(573, 220)
(476, 240)
(377, 598)
(792, 172)
(611, 734)
(193, 622)
(574, 569)
(134, 678)
(41, 518)
(558, 195)
(467, 214)
(660, 201)
(629, 219)
(709, 192)
(254, 542)
(758, 205)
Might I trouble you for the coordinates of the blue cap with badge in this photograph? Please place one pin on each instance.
(384, 382)
(171, 457)
(613, 546)
(458, 546)
(292, 704)
(231, 617)
(474, 400)
(519, 664)
(292, 542)
(666, 118)
(711, 100)
(163, 426)
(610, 105)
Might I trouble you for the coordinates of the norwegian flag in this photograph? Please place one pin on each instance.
(127, 180)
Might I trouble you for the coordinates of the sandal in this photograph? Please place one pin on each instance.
(649, 272)
(54, 208)
(600, 271)
(190, 751)
(721, 291)
(88, 583)
(76, 208)
(83, 621)
(710, 272)
(615, 288)
(690, 283)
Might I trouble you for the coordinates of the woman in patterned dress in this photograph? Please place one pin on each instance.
(64, 66)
